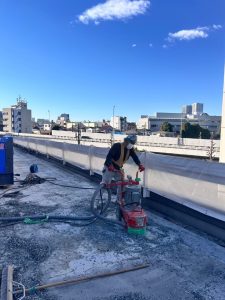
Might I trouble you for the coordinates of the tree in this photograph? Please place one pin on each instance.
(205, 133)
(166, 126)
(194, 131)
(211, 150)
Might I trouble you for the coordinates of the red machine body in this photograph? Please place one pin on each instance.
(129, 204)
(135, 218)
(131, 211)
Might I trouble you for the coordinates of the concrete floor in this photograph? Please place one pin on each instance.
(183, 264)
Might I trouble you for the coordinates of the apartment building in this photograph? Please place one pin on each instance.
(119, 123)
(17, 118)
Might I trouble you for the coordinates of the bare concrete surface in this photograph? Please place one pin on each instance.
(183, 264)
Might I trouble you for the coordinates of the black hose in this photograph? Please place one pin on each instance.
(91, 218)
(71, 186)
(96, 215)
(47, 217)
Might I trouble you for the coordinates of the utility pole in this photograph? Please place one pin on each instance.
(49, 116)
(78, 133)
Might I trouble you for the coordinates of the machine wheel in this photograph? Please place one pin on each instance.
(101, 200)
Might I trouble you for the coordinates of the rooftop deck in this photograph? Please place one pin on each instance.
(183, 263)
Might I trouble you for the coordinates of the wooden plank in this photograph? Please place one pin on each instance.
(4, 284)
(7, 283)
(10, 283)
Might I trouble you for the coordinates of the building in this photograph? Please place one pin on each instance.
(131, 127)
(143, 123)
(41, 122)
(70, 126)
(90, 124)
(197, 108)
(212, 123)
(175, 119)
(187, 109)
(190, 113)
(1, 122)
(17, 118)
(63, 119)
(153, 123)
(47, 126)
(119, 123)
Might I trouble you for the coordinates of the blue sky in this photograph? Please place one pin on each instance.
(82, 57)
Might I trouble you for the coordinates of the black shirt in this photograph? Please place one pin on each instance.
(114, 153)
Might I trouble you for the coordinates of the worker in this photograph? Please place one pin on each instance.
(117, 156)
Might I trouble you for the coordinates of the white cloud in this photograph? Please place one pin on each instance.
(134, 45)
(164, 46)
(150, 45)
(188, 34)
(114, 9)
(217, 27)
(191, 34)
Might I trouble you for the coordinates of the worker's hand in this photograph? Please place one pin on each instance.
(141, 168)
(111, 168)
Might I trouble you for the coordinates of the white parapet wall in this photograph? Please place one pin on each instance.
(156, 144)
(222, 147)
(198, 184)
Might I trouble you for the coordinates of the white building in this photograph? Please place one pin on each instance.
(17, 118)
(70, 125)
(143, 123)
(153, 123)
(90, 124)
(187, 109)
(47, 126)
(197, 108)
(175, 119)
(119, 123)
(63, 119)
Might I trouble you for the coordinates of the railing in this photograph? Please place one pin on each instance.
(193, 183)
